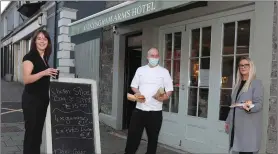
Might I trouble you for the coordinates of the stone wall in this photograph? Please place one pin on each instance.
(106, 65)
(272, 122)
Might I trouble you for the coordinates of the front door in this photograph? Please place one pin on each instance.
(133, 58)
(171, 52)
(206, 59)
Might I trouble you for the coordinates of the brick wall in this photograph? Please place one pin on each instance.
(272, 121)
(65, 54)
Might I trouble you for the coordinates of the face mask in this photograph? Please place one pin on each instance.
(153, 61)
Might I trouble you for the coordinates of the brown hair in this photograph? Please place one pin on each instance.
(48, 49)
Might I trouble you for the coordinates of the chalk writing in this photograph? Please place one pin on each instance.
(60, 91)
(68, 151)
(77, 132)
(71, 118)
(80, 92)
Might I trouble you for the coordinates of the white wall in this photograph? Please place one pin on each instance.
(263, 26)
(20, 52)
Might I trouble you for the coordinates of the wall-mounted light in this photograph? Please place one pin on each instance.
(114, 30)
(40, 20)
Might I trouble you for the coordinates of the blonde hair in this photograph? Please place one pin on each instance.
(252, 75)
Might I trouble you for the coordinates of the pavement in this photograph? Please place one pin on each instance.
(12, 127)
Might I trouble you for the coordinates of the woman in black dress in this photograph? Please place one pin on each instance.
(35, 97)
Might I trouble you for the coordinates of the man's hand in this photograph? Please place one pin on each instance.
(137, 95)
(161, 98)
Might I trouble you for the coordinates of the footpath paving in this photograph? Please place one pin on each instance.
(12, 133)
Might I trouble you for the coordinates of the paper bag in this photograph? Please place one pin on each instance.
(160, 92)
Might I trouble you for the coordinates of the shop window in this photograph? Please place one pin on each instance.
(236, 38)
(172, 53)
(199, 69)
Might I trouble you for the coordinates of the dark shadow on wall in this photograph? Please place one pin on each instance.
(85, 8)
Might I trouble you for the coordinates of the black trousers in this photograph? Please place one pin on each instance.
(34, 112)
(151, 121)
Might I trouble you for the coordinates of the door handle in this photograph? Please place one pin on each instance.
(182, 86)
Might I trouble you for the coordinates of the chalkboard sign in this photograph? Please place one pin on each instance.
(74, 117)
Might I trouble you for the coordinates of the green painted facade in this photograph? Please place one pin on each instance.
(127, 12)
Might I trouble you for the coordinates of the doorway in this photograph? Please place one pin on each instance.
(133, 58)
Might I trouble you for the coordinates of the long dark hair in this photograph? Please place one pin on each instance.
(48, 49)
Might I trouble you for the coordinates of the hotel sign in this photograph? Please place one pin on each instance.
(128, 12)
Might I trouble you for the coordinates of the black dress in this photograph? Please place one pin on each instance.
(35, 100)
(233, 131)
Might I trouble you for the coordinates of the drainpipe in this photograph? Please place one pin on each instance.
(55, 36)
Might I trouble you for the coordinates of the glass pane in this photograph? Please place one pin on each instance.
(203, 103)
(225, 102)
(204, 72)
(229, 38)
(243, 37)
(167, 65)
(194, 72)
(165, 106)
(225, 97)
(177, 47)
(206, 41)
(176, 73)
(192, 101)
(227, 71)
(168, 46)
(175, 100)
(238, 58)
(195, 41)
(224, 111)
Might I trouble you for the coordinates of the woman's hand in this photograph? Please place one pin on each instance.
(226, 128)
(49, 72)
(246, 105)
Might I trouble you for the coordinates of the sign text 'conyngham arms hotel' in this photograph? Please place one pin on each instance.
(116, 16)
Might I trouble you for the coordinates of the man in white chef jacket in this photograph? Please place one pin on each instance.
(148, 114)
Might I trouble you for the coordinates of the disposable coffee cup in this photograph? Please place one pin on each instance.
(56, 76)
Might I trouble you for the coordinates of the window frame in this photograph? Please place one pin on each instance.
(199, 57)
(234, 55)
(163, 59)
